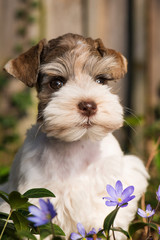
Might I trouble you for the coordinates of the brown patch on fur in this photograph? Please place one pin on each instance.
(121, 69)
(25, 67)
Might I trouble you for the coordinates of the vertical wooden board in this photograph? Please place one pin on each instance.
(62, 16)
(139, 56)
(7, 28)
(155, 54)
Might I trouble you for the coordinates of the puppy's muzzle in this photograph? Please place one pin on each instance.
(87, 108)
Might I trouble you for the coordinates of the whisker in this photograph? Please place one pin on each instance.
(134, 130)
(40, 126)
(129, 110)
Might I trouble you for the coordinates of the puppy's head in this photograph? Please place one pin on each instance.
(71, 74)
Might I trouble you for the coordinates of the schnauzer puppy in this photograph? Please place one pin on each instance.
(71, 150)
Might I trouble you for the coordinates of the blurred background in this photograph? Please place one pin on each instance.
(129, 26)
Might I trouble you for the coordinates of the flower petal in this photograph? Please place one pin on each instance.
(152, 213)
(148, 207)
(127, 192)
(142, 213)
(123, 205)
(81, 229)
(126, 200)
(108, 198)
(111, 203)
(51, 209)
(93, 231)
(111, 191)
(158, 193)
(119, 188)
(35, 211)
(37, 221)
(43, 205)
(75, 236)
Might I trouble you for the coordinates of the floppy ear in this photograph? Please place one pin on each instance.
(118, 71)
(26, 66)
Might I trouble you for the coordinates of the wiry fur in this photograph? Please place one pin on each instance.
(72, 154)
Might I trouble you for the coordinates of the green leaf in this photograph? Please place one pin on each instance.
(38, 193)
(9, 231)
(26, 234)
(16, 200)
(47, 228)
(4, 196)
(109, 220)
(20, 222)
(99, 234)
(139, 225)
(119, 229)
(58, 231)
(3, 215)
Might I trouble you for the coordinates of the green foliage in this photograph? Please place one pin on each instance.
(140, 225)
(34, 4)
(18, 48)
(3, 80)
(16, 200)
(133, 121)
(20, 227)
(22, 100)
(38, 193)
(108, 222)
(7, 121)
(4, 173)
(20, 14)
(21, 31)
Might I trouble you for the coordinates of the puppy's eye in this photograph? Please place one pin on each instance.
(100, 81)
(56, 82)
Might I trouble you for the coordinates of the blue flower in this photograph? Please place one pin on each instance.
(82, 233)
(118, 196)
(146, 214)
(43, 215)
(93, 231)
(159, 230)
(158, 193)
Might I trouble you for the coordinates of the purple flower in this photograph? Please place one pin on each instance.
(159, 230)
(158, 193)
(146, 214)
(81, 230)
(43, 215)
(118, 196)
(93, 231)
(82, 233)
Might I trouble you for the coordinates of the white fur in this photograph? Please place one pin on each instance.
(77, 173)
(77, 162)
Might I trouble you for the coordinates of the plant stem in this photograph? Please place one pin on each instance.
(148, 233)
(6, 223)
(52, 228)
(113, 233)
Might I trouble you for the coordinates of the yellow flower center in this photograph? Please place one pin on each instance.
(148, 213)
(48, 216)
(119, 200)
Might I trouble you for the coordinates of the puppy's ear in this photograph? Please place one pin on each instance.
(118, 71)
(26, 66)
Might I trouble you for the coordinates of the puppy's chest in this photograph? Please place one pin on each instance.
(56, 161)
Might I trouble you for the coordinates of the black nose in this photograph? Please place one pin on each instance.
(87, 108)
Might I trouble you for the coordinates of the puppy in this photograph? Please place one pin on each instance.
(71, 150)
